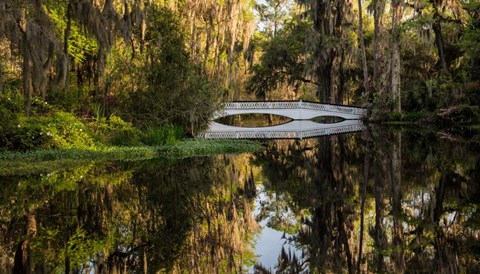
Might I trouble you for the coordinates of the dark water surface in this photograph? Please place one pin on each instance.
(378, 201)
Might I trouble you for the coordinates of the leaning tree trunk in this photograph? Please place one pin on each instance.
(437, 29)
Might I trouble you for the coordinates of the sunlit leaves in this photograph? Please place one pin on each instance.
(80, 43)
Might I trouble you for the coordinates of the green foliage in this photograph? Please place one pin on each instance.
(470, 45)
(71, 138)
(176, 92)
(76, 100)
(11, 104)
(46, 160)
(411, 117)
(168, 134)
(473, 92)
(80, 45)
(273, 14)
(60, 130)
(283, 60)
(20, 132)
(418, 62)
(47, 129)
(79, 248)
(115, 131)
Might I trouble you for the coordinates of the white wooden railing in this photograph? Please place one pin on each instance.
(295, 105)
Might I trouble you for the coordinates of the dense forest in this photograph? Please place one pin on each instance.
(126, 77)
(113, 67)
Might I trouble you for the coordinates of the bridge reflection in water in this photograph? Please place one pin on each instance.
(296, 129)
(301, 126)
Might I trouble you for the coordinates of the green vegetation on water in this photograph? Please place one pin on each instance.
(16, 162)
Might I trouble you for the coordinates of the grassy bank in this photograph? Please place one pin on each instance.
(52, 137)
(30, 162)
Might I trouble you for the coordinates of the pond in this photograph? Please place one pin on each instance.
(381, 200)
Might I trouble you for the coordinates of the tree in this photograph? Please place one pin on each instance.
(380, 66)
(175, 91)
(395, 81)
(329, 20)
(283, 61)
(273, 15)
(361, 38)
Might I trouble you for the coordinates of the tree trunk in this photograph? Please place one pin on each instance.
(380, 69)
(328, 18)
(367, 90)
(437, 29)
(26, 69)
(27, 76)
(22, 260)
(397, 12)
(65, 46)
(379, 236)
(382, 178)
(398, 254)
(1, 76)
(366, 167)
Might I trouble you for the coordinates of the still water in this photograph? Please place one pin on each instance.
(374, 201)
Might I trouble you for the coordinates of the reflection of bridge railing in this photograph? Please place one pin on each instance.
(292, 130)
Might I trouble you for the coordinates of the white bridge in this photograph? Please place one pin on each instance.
(296, 129)
(297, 110)
(301, 126)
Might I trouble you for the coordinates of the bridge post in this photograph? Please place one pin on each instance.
(300, 108)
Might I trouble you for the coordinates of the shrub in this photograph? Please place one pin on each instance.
(395, 116)
(55, 130)
(168, 134)
(76, 99)
(11, 103)
(115, 131)
(63, 130)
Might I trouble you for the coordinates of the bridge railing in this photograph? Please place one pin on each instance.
(295, 105)
(257, 105)
(333, 108)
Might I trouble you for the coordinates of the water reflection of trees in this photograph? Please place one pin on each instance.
(191, 215)
(378, 202)
(372, 202)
